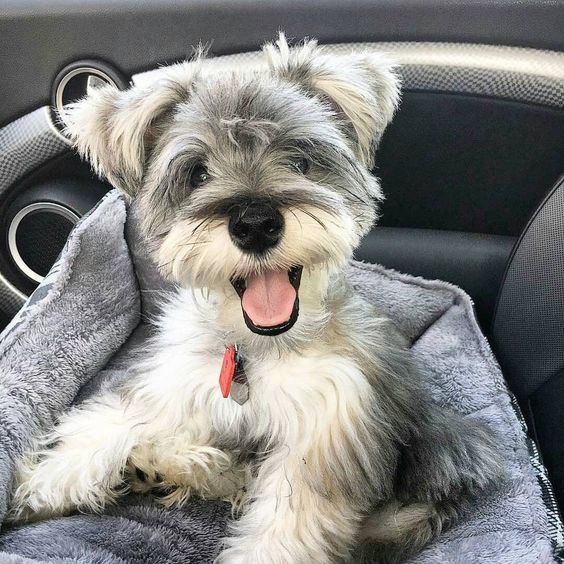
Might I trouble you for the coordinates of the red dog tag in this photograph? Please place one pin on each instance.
(227, 370)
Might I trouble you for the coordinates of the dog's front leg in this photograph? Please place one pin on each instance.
(298, 514)
(78, 466)
(187, 464)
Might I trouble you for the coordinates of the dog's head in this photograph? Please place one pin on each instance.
(247, 179)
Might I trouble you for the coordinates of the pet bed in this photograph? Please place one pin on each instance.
(76, 335)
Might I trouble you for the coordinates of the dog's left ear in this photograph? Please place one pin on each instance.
(362, 86)
(115, 130)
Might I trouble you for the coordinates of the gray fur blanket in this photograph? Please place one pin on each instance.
(76, 335)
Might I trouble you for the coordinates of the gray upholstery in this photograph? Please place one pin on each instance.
(87, 309)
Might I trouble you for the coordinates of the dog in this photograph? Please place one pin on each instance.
(255, 188)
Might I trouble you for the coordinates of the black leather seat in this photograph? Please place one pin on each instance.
(528, 330)
(518, 289)
(474, 261)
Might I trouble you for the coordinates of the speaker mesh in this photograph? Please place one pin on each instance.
(40, 238)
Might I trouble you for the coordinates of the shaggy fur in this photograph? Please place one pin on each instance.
(338, 443)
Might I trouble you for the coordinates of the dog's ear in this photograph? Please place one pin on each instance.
(115, 130)
(363, 87)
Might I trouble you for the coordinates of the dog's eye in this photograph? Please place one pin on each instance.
(199, 176)
(301, 165)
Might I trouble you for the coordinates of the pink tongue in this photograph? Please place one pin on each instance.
(269, 298)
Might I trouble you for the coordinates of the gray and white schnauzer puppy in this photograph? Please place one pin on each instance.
(255, 188)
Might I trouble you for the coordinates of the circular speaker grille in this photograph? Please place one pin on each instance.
(37, 235)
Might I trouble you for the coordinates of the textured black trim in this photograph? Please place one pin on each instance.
(496, 71)
(520, 239)
(39, 37)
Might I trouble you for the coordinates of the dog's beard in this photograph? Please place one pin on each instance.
(316, 243)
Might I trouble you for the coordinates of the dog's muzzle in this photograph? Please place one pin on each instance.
(270, 301)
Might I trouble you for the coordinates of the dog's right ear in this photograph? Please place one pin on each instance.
(362, 87)
(115, 130)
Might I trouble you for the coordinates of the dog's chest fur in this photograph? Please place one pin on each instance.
(294, 397)
(290, 395)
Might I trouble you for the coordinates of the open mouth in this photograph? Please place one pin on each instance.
(270, 301)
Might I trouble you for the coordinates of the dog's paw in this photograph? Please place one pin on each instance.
(175, 496)
(49, 486)
(233, 556)
(205, 471)
(30, 503)
(33, 497)
(266, 549)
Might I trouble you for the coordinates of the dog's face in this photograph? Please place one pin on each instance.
(248, 180)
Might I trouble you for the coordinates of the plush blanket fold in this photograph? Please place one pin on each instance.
(76, 335)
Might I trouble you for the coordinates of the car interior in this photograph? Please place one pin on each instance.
(472, 165)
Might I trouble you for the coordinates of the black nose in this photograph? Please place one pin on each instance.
(255, 227)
